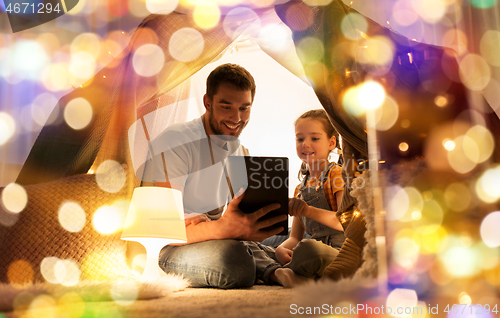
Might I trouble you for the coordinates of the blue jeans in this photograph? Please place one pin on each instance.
(216, 264)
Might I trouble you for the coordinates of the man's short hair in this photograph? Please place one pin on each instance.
(231, 74)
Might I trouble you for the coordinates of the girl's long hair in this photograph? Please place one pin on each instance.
(321, 116)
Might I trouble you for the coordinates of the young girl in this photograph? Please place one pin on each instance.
(314, 204)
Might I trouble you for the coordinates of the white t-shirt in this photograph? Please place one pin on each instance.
(185, 147)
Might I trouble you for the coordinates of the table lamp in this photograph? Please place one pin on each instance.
(155, 218)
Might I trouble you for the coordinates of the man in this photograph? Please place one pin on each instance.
(194, 154)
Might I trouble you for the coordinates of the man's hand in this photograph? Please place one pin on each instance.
(194, 218)
(297, 207)
(283, 254)
(246, 226)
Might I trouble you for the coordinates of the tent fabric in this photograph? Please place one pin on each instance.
(115, 93)
(415, 76)
(118, 95)
(121, 98)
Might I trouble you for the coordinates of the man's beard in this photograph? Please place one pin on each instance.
(217, 129)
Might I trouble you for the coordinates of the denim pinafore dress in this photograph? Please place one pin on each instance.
(315, 196)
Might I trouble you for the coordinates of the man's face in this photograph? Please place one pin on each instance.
(229, 110)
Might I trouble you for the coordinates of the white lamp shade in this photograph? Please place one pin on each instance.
(155, 212)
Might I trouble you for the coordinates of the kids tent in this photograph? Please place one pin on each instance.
(147, 87)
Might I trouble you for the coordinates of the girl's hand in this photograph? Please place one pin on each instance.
(297, 207)
(283, 255)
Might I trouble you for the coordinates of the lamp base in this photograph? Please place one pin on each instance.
(153, 247)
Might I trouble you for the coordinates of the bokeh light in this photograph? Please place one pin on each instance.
(371, 95)
(464, 298)
(353, 26)
(433, 15)
(107, 220)
(42, 306)
(148, 60)
(490, 46)
(480, 139)
(7, 127)
(161, 6)
(448, 144)
(459, 159)
(387, 114)
(431, 218)
(405, 123)
(67, 272)
(55, 77)
(82, 65)
(377, 51)
(487, 185)
(78, 113)
(490, 257)
(474, 72)
(14, 198)
(405, 252)
(368, 95)
(138, 8)
(484, 4)
(42, 107)
(124, 293)
(186, 45)
(71, 305)
(351, 101)
(459, 260)
(403, 298)
(144, 36)
(206, 15)
(403, 146)
(457, 197)
(274, 37)
(310, 49)
(403, 13)
(299, 17)
(240, 19)
(47, 269)
(441, 101)
(455, 39)
(117, 8)
(489, 229)
(430, 243)
(115, 42)
(71, 216)
(20, 272)
(25, 62)
(404, 204)
(86, 42)
(111, 176)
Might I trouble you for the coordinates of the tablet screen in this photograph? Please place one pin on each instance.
(265, 180)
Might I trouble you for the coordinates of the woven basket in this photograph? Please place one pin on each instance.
(37, 234)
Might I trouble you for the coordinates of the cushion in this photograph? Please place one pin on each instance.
(37, 245)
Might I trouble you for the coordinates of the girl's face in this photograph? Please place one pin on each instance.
(312, 143)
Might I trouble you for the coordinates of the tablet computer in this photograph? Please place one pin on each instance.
(265, 180)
